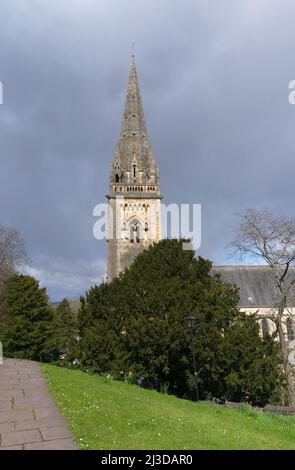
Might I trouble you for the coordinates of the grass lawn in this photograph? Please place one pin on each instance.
(105, 414)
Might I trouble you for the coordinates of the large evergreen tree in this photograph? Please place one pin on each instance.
(28, 328)
(136, 327)
(65, 333)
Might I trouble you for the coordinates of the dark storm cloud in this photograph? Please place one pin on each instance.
(214, 77)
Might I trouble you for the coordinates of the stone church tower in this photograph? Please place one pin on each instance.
(134, 196)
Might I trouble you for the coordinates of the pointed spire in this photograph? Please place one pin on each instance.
(134, 161)
(133, 123)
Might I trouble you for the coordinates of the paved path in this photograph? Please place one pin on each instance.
(29, 418)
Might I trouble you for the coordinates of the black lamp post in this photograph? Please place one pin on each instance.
(191, 325)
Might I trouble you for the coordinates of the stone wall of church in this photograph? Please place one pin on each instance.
(267, 325)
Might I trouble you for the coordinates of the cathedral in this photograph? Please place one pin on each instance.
(134, 194)
(134, 218)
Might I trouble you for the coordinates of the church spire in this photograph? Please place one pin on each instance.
(133, 122)
(134, 162)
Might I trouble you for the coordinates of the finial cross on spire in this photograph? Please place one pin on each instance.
(133, 48)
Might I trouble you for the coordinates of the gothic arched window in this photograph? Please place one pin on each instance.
(117, 178)
(265, 327)
(135, 232)
(290, 329)
(134, 171)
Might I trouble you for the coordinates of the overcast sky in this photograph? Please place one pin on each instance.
(214, 79)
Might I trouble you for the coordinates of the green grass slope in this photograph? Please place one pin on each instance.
(105, 414)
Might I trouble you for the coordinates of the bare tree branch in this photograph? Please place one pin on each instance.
(264, 237)
(12, 252)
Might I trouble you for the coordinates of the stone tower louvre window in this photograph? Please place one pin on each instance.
(135, 232)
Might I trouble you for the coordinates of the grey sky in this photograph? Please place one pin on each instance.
(214, 80)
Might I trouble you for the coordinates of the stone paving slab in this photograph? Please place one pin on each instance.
(12, 448)
(29, 417)
(11, 416)
(59, 444)
(20, 437)
(6, 427)
(38, 423)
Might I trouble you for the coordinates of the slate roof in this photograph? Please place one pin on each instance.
(257, 287)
